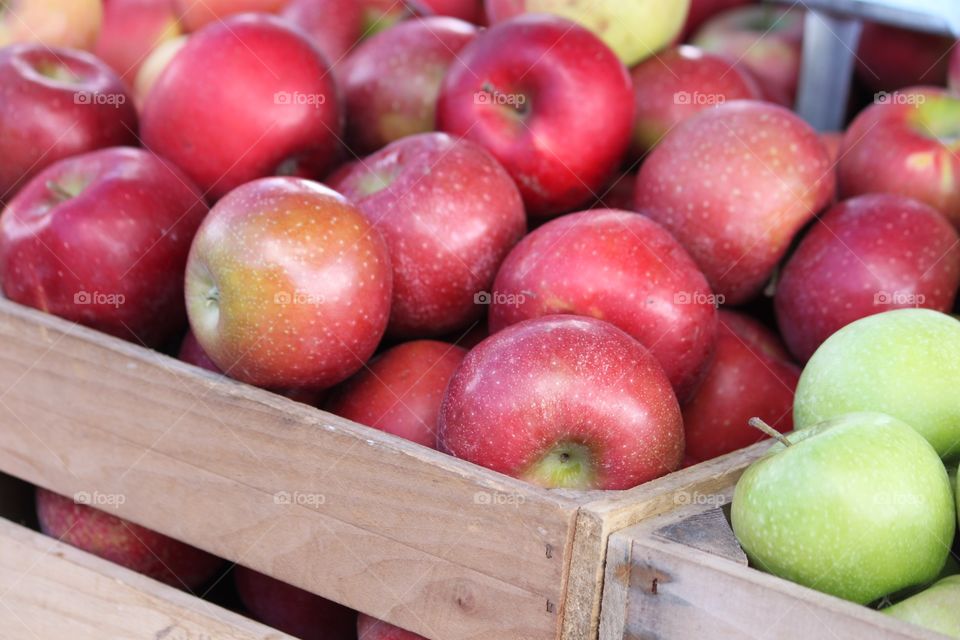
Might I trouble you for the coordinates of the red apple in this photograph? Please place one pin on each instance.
(372, 629)
(242, 99)
(56, 103)
(102, 239)
(906, 143)
(469, 10)
(125, 543)
(288, 285)
(680, 83)
(832, 140)
(335, 26)
(131, 30)
(293, 610)
(549, 100)
(864, 256)
(400, 390)
(766, 40)
(703, 10)
(620, 267)
(195, 14)
(391, 81)
(380, 15)
(564, 401)
(619, 193)
(735, 184)
(751, 377)
(52, 23)
(449, 214)
(890, 58)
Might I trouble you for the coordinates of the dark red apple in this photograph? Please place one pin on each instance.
(244, 98)
(751, 376)
(391, 81)
(549, 100)
(372, 629)
(143, 550)
(864, 256)
(399, 392)
(735, 184)
(449, 214)
(890, 58)
(102, 239)
(679, 83)
(469, 10)
(620, 267)
(619, 193)
(564, 401)
(293, 610)
(131, 30)
(335, 26)
(766, 40)
(56, 103)
(906, 143)
(954, 77)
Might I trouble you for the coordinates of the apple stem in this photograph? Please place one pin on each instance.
(61, 194)
(757, 423)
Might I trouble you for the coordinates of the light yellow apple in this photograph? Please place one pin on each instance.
(55, 23)
(153, 66)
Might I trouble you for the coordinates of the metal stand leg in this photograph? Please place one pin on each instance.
(829, 43)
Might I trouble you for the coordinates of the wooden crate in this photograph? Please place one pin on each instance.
(425, 541)
(683, 575)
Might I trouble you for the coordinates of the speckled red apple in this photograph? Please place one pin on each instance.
(449, 214)
(195, 14)
(102, 239)
(293, 610)
(372, 629)
(751, 376)
(131, 30)
(288, 285)
(680, 83)
(335, 26)
(125, 543)
(907, 144)
(864, 256)
(391, 81)
(399, 392)
(549, 100)
(564, 401)
(620, 267)
(735, 184)
(244, 98)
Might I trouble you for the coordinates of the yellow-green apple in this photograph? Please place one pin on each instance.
(680, 83)
(400, 391)
(372, 629)
(54, 23)
(750, 376)
(288, 285)
(703, 10)
(195, 14)
(391, 81)
(153, 65)
(905, 363)
(858, 507)
(622, 268)
(864, 256)
(766, 40)
(131, 30)
(549, 100)
(934, 608)
(564, 401)
(449, 214)
(56, 103)
(634, 32)
(293, 610)
(102, 239)
(77, 523)
(890, 58)
(380, 15)
(906, 143)
(335, 26)
(244, 98)
(735, 184)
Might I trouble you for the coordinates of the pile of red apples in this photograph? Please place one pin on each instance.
(578, 242)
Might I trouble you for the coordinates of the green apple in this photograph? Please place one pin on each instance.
(858, 507)
(634, 33)
(905, 363)
(934, 608)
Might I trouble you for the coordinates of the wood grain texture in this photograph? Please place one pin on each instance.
(409, 535)
(51, 591)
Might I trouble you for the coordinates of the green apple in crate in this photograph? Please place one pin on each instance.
(905, 363)
(858, 507)
(934, 608)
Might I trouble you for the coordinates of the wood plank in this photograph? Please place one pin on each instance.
(51, 591)
(707, 531)
(423, 540)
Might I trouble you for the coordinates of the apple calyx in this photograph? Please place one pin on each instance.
(565, 466)
(759, 424)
